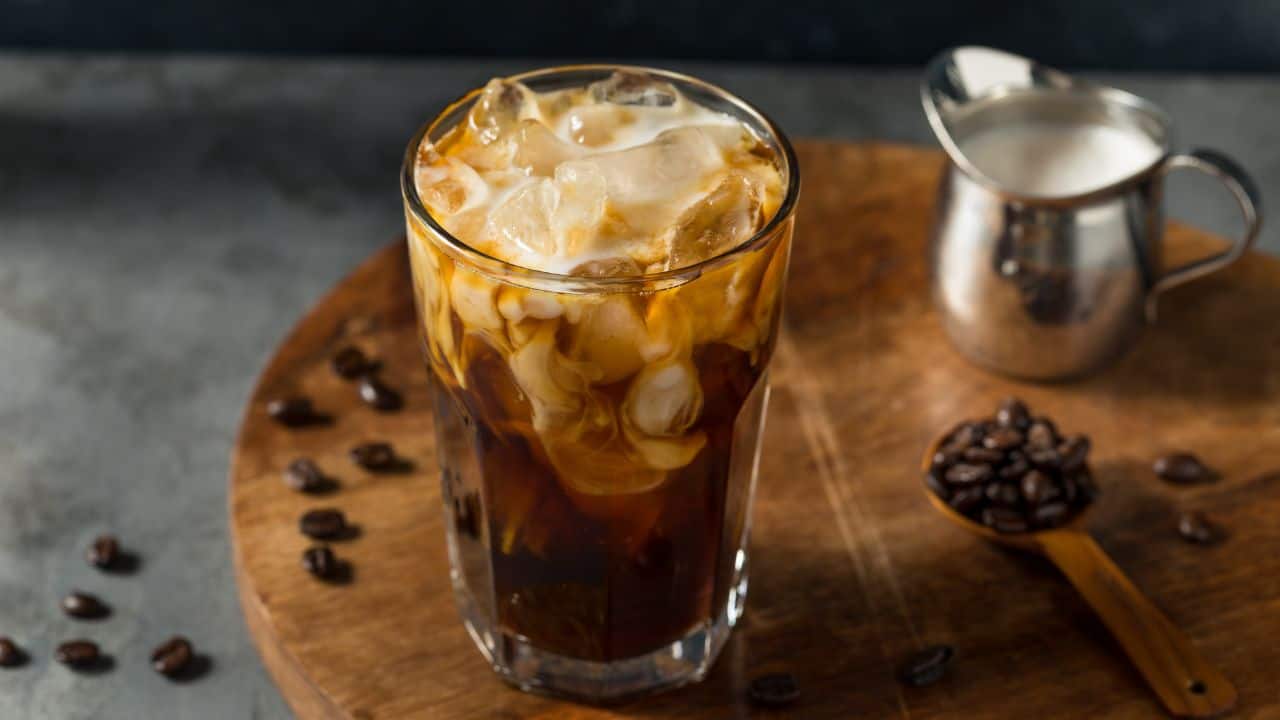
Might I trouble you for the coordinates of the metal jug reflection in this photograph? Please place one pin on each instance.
(1046, 247)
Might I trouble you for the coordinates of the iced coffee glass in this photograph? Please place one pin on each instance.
(598, 257)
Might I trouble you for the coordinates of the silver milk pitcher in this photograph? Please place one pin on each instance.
(1044, 286)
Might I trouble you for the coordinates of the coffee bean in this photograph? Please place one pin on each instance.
(1003, 439)
(293, 412)
(1074, 451)
(1013, 414)
(1042, 434)
(374, 456)
(1043, 458)
(1182, 468)
(1037, 487)
(84, 606)
(10, 654)
(304, 475)
(104, 553)
(967, 500)
(78, 654)
(774, 690)
(172, 656)
(927, 666)
(1195, 527)
(964, 435)
(1016, 467)
(936, 486)
(321, 562)
(1002, 493)
(983, 456)
(1051, 514)
(378, 396)
(943, 459)
(966, 474)
(350, 363)
(1005, 520)
(323, 523)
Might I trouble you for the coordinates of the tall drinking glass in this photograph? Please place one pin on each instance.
(599, 436)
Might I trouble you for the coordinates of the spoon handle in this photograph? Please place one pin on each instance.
(1187, 685)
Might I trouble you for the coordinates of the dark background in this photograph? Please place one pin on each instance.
(1208, 35)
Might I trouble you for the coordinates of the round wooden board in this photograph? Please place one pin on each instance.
(851, 569)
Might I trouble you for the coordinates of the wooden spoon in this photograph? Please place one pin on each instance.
(1187, 685)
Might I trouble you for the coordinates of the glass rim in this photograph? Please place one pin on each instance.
(544, 279)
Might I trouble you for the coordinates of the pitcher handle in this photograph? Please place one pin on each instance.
(1246, 193)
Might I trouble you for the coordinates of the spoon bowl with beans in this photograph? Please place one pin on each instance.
(1014, 481)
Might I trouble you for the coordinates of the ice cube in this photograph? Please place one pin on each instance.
(609, 336)
(473, 297)
(555, 385)
(607, 267)
(537, 150)
(522, 223)
(499, 108)
(723, 219)
(665, 399)
(596, 125)
(633, 88)
(579, 209)
(449, 186)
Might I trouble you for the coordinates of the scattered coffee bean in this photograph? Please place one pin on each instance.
(774, 690)
(10, 654)
(1074, 451)
(172, 656)
(323, 523)
(966, 474)
(84, 606)
(1195, 527)
(378, 396)
(1182, 468)
(1037, 487)
(78, 654)
(350, 363)
(1042, 434)
(927, 666)
(1003, 439)
(1013, 414)
(321, 562)
(1051, 514)
(104, 553)
(304, 475)
(375, 456)
(294, 412)
(1044, 458)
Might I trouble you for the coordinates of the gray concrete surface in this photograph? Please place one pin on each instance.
(163, 222)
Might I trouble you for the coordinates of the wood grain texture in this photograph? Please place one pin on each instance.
(851, 569)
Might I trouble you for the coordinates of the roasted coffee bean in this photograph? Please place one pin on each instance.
(293, 412)
(84, 606)
(1003, 439)
(1037, 487)
(966, 474)
(1195, 527)
(350, 363)
(1042, 434)
(1002, 493)
(1043, 458)
(943, 459)
(966, 434)
(927, 666)
(374, 456)
(1182, 468)
(305, 476)
(378, 396)
(323, 523)
(774, 690)
(967, 500)
(78, 654)
(1074, 451)
(1051, 514)
(936, 486)
(104, 553)
(321, 562)
(1005, 520)
(983, 456)
(1016, 467)
(172, 656)
(1013, 414)
(10, 654)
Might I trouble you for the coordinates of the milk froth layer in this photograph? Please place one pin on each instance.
(624, 176)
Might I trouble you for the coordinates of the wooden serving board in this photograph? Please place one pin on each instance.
(851, 568)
